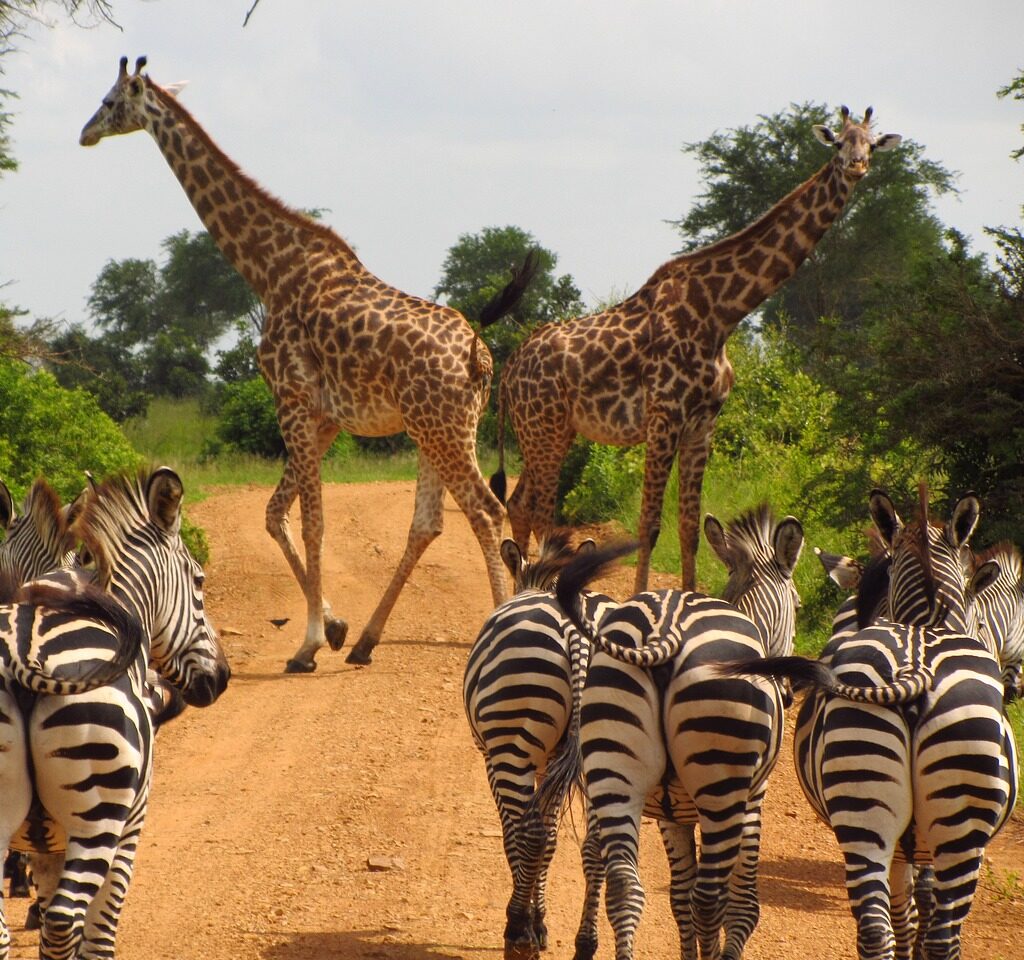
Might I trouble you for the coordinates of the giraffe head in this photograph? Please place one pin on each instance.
(855, 143)
(123, 109)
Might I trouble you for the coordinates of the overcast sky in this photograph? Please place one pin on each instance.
(415, 121)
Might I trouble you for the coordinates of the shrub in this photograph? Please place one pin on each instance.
(610, 478)
(48, 431)
(247, 423)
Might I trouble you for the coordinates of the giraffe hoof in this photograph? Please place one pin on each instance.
(299, 666)
(336, 630)
(360, 656)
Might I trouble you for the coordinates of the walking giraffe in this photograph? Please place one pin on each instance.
(653, 368)
(340, 350)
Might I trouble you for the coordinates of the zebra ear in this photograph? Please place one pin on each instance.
(7, 513)
(587, 546)
(715, 535)
(512, 557)
(788, 541)
(844, 571)
(884, 514)
(984, 577)
(964, 519)
(164, 496)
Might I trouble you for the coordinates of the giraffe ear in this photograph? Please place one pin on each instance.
(175, 88)
(823, 135)
(887, 141)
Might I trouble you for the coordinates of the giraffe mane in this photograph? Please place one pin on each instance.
(299, 219)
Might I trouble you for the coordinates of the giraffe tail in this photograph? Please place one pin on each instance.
(507, 299)
(498, 481)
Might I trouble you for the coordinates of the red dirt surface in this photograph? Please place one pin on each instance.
(345, 814)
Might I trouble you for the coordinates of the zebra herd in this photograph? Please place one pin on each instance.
(95, 650)
(670, 705)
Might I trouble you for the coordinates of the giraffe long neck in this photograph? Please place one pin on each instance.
(726, 280)
(266, 241)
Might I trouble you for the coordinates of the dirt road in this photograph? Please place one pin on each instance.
(345, 814)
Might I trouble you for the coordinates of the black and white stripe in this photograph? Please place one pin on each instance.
(903, 747)
(88, 797)
(521, 689)
(662, 735)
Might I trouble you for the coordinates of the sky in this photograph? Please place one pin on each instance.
(414, 122)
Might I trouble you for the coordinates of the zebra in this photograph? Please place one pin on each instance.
(521, 689)
(130, 525)
(1001, 616)
(902, 746)
(39, 541)
(661, 736)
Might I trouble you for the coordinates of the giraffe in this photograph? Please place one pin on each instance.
(653, 369)
(340, 350)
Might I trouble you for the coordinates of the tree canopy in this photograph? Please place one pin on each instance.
(478, 266)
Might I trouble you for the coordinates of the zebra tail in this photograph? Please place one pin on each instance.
(652, 654)
(87, 602)
(585, 568)
(909, 683)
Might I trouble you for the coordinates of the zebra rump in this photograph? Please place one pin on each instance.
(62, 603)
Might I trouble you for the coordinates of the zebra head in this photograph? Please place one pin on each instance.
(1001, 614)
(37, 541)
(761, 556)
(930, 580)
(131, 527)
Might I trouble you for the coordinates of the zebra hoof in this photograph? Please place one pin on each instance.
(299, 666)
(336, 630)
(33, 920)
(522, 951)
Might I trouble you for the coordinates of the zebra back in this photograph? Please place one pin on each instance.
(64, 636)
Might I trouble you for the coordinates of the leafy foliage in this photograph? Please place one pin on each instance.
(48, 431)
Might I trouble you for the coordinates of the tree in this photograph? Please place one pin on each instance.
(478, 266)
(100, 365)
(170, 315)
(887, 223)
(1015, 89)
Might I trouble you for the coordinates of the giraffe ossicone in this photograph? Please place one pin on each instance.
(340, 350)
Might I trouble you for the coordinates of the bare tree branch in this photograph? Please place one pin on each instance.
(245, 22)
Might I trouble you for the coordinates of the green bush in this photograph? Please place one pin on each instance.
(48, 431)
(610, 477)
(247, 423)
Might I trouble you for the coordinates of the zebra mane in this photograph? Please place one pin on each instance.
(114, 509)
(43, 505)
(555, 553)
(873, 588)
(751, 531)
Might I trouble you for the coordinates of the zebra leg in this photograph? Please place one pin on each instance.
(867, 886)
(540, 908)
(924, 900)
(956, 879)
(104, 912)
(903, 909)
(84, 872)
(682, 861)
(743, 908)
(15, 788)
(593, 872)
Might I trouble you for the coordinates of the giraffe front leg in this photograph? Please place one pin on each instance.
(427, 524)
(693, 458)
(662, 440)
(301, 479)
